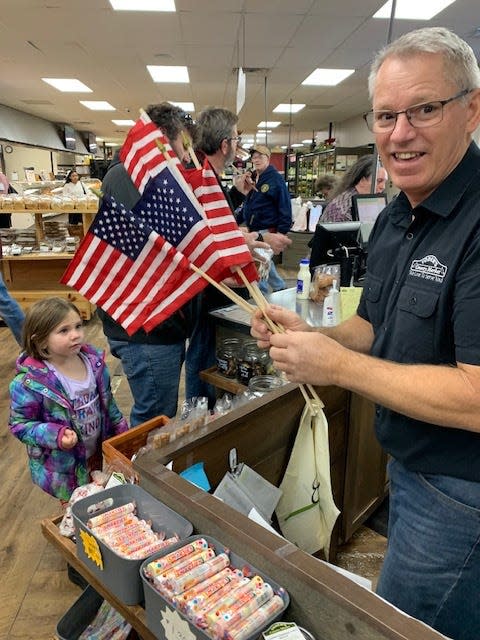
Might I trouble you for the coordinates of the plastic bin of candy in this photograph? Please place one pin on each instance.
(121, 574)
(197, 605)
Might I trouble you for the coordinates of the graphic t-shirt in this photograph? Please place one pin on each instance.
(83, 395)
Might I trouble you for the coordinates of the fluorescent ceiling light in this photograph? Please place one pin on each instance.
(99, 139)
(162, 73)
(297, 144)
(112, 144)
(413, 10)
(97, 105)
(247, 141)
(265, 125)
(143, 5)
(308, 141)
(288, 108)
(186, 106)
(124, 123)
(328, 77)
(68, 85)
(264, 131)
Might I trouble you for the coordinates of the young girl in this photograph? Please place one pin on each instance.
(62, 406)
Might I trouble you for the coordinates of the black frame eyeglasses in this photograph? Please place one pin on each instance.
(237, 139)
(419, 116)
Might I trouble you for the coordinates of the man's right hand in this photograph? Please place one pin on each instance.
(277, 241)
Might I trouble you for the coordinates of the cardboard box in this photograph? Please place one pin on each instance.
(121, 575)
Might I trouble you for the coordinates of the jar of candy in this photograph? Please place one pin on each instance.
(227, 357)
(252, 362)
(263, 384)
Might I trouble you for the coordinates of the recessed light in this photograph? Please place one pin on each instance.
(143, 5)
(97, 105)
(186, 106)
(68, 85)
(412, 9)
(288, 108)
(328, 77)
(162, 73)
(124, 123)
(267, 124)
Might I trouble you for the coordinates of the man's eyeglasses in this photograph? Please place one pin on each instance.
(235, 139)
(419, 116)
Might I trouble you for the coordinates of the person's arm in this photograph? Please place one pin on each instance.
(443, 395)
(26, 419)
(277, 241)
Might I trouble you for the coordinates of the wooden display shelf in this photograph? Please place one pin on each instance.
(213, 377)
(134, 614)
(34, 276)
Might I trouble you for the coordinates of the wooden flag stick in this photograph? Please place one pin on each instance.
(259, 298)
(234, 297)
(187, 145)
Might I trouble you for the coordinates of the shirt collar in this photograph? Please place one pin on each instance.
(447, 195)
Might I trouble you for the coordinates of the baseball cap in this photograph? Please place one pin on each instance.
(261, 148)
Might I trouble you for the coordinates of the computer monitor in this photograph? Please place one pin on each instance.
(366, 208)
(336, 242)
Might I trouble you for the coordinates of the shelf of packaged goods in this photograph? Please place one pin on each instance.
(33, 276)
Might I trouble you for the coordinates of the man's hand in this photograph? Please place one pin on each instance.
(277, 241)
(280, 316)
(251, 240)
(244, 182)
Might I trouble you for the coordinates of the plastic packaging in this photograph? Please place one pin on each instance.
(331, 307)
(303, 280)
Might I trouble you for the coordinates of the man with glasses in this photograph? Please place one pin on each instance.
(414, 345)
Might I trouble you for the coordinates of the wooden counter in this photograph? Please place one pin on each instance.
(324, 602)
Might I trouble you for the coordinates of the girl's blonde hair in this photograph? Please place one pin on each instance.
(40, 320)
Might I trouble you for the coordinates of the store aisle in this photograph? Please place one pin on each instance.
(34, 589)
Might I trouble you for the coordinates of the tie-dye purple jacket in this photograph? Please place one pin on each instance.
(40, 411)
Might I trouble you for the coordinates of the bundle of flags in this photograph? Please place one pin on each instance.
(136, 265)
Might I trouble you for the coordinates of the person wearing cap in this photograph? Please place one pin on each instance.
(267, 207)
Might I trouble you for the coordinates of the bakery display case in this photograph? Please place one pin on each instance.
(34, 257)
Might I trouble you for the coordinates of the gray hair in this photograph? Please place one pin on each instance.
(214, 125)
(460, 62)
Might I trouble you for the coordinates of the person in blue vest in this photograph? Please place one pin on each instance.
(267, 206)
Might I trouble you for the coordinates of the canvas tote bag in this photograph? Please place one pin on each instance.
(306, 511)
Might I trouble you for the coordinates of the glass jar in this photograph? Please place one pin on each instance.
(227, 357)
(263, 384)
(252, 362)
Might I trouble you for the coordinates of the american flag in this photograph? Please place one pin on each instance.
(143, 158)
(140, 153)
(128, 269)
(222, 223)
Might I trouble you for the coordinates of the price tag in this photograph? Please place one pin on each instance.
(91, 548)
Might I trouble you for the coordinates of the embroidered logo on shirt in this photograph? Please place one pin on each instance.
(428, 268)
(264, 188)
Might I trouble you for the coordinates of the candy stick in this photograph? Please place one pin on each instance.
(111, 515)
(165, 562)
(257, 619)
(199, 573)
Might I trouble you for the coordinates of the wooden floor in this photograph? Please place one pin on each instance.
(34, 589)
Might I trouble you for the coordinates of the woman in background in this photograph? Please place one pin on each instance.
(73, 187)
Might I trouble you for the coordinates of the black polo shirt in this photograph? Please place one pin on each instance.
(422, 297)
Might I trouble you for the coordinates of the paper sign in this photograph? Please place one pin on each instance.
(241, 89)
(91, 548)
(350, 297)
